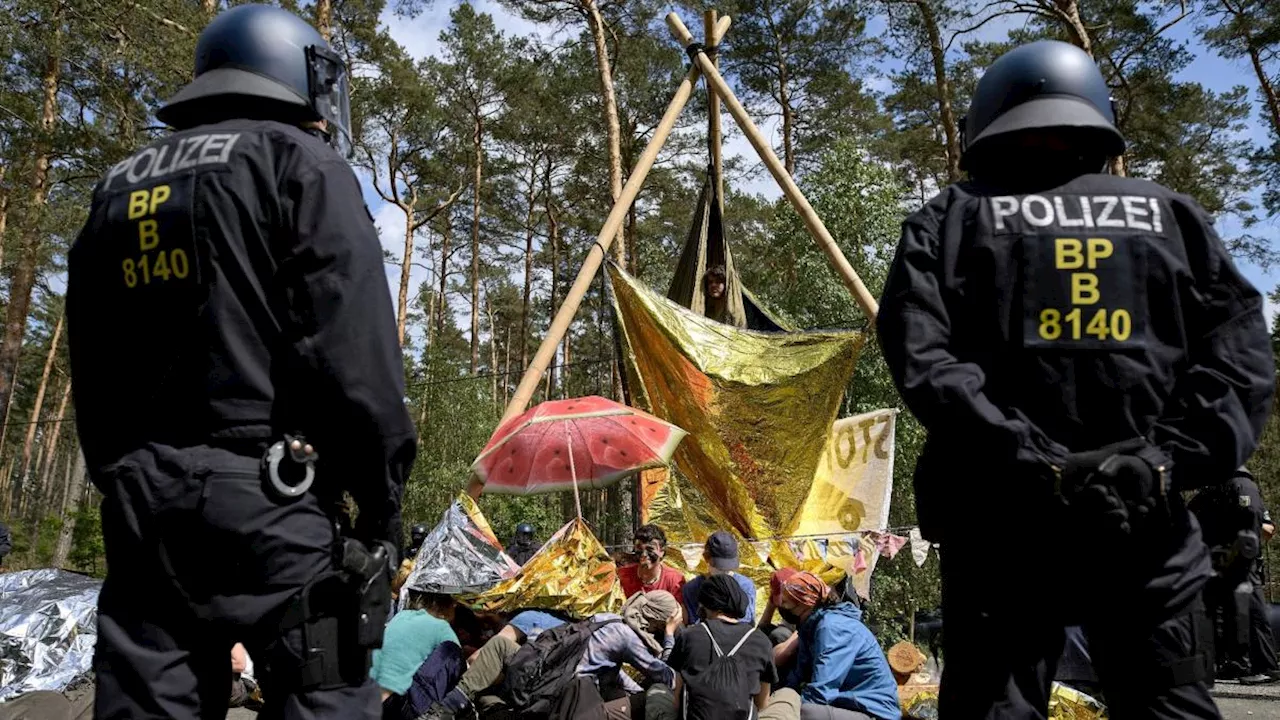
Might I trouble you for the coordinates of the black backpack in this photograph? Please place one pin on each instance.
(723, 691)
(539, 672)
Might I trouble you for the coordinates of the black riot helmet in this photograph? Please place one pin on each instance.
(417, 534)
(264, 62)
(1044, 85)
(524, 531)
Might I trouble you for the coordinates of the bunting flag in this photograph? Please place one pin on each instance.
(762, 549)
(692, 556)
(919, 547)
(859, 561)
(888, 544)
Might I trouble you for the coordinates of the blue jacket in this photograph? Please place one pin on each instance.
(841, 664)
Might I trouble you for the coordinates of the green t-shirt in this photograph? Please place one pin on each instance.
(410, 638)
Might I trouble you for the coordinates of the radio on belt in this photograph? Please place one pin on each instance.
(292, 479)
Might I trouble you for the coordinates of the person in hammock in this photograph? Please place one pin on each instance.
(715, 284)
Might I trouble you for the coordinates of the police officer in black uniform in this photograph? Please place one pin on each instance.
(417, 535)
(1080, 348)
(235, 369)
(524, 546)
(1235, 524)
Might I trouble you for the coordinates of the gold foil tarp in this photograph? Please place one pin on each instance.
(1068, 704)
(1064, 704)
(850, 494)
(758, 406)
(472, 511)
(572, 573)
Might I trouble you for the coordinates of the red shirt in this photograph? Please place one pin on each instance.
(671, 580)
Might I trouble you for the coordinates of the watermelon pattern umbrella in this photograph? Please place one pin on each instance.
(562, 444)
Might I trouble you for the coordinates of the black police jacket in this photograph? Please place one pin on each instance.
(1226, 510)
(1022, 327)
(229, 287)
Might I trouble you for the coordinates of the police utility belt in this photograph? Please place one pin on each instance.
(341, 613)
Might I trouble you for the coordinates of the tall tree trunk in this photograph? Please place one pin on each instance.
(52, 437)
(506, 372)
(324, 18)
(788, 121)
(8, 482)
(553, 230)
(431, 318)
(71, 503)
(24, 274)
(943, 88)
(24, 470)
(1268, 92)
(4, 213)
(493, 347)
(531, 200)
(445, 232)
(477, 145)
(406, 262)
(613, 128)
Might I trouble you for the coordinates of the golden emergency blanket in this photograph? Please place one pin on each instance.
(571, 573)
(1068, 704)
(849, 495)
(758, 406)
(1064, 704)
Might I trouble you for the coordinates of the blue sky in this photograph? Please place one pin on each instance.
(420, 36)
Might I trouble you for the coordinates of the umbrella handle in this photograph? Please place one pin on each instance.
(573, 471)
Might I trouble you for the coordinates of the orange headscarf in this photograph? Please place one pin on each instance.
(803, 588)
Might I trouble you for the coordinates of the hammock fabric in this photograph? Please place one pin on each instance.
(706, 248)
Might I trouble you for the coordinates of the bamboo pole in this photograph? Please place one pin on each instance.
(595, 256)
(714, 136)
(811, 220)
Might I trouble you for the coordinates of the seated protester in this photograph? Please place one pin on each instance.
(244, 687)
(608, 648)
(724, 664)
(410, 639)
(652, 613)
(650, 573)
(841, 672)
(721, 556)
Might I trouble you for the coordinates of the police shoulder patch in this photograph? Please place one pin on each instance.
(1084, 292)
(151, 231)
(1244, 501)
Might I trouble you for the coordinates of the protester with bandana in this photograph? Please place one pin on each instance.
(841, 671)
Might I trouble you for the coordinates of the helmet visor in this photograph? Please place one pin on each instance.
(330, 87)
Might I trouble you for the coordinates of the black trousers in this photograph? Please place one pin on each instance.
(1004, 615)
(199, 558)
(1230, 615)
(1262, 646)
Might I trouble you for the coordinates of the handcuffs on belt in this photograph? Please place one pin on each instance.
(302, 460)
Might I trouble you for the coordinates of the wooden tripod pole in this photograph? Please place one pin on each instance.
(714, 136)
(595, 256)
(811, 220)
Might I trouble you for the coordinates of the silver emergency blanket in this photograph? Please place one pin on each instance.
(459, 557)
(48, 627)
